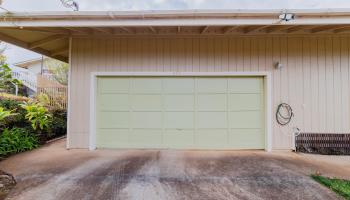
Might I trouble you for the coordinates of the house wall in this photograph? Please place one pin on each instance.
(35, 68)
(314, 79)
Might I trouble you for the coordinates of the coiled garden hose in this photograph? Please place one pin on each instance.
(284, 114)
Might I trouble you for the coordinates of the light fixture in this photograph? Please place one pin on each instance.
(286, 16)
(278, 65)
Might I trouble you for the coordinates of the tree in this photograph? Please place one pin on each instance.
(3, 47)
(7, 82)
(59, 70)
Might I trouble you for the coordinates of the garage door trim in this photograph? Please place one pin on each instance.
(267, 90)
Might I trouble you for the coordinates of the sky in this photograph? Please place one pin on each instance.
(16, 54)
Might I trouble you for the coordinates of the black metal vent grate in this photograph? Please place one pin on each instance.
(323, 143)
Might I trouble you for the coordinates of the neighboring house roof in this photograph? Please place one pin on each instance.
(25, 64)
(48, 33)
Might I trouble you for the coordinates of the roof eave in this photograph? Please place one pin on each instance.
(174, 18)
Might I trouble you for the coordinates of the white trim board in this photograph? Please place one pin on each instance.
(69, 95)
(267, 88)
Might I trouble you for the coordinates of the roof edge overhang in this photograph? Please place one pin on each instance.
(48, 33)
(172, 18)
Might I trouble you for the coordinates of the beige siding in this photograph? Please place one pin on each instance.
(314, 79)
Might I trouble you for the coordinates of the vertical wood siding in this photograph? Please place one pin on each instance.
(314, 79)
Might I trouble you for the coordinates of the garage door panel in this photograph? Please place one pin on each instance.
(211, 85)
(211, 120)
(178, 120)
(211, 139)
(113, 120)
(146, 138)
(146, 119)
(245, 85)
(181, 102)
(114, 102)
(146, 86)
(178, 139)
(143, 102)
(113, 85)
(245, 119)
(247, 138)
(178, 86)
(239, 102)
(180, 112)
(112, 138)
(211, 102)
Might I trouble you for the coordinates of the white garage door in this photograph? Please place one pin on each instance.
(180, 112)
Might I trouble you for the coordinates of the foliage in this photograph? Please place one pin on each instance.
(43, 99)
(5, 113)
(16, 140)
(2, 59)
(37, 114)
(53, 97)
(341, 187)
(3, 47)
(36, 120)
(58, 125)
(59, 70)
(7, 82)
(17, 120)
(6, 96)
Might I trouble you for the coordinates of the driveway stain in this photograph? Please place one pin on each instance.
(164, 175)
(107, 181)
(43, 174)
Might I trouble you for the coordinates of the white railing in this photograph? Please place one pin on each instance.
(28, 79)
(49, 77)
(57, 96)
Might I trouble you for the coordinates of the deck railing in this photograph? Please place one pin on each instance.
(57, 96)
(27, 78)
(44, 84)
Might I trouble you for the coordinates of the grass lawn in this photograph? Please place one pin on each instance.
(341, 187)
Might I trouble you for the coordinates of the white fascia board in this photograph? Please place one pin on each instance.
(178, 13)
(173, 22)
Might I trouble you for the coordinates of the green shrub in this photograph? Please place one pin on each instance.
(16, 140)
(17, 120)
(5, 113)
(6, 96)
(43, 99)
(37, 115)
(58, 125)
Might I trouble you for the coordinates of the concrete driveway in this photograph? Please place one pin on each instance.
(52, 172)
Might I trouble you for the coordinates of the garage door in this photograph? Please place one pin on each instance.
(180, 112)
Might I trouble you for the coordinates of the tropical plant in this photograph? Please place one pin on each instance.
(5, 113)
(43, 99)
(37, 114)
(16, 140)
(18, 118)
